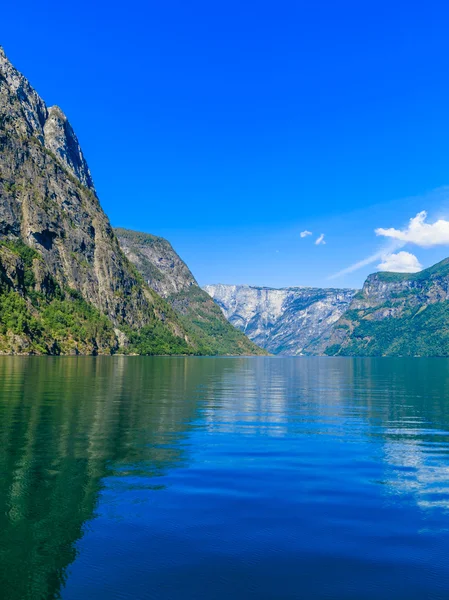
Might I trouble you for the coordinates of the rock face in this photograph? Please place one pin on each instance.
(65, 284)
(396, 314)
(166, 273)
(283, 321)
(154, 257)
(60, 139)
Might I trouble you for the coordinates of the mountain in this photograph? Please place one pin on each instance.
(396, 314)
(283, 321)
(66, 287)
(65, 284)
(165, 272)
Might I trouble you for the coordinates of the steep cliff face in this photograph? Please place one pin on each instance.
(56, 243)
(396, 314)
(283, 321)
(166, 273)
(60, 139)
(158, 263)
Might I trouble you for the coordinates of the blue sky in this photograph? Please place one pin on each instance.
(231, 127)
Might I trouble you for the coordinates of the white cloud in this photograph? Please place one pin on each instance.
(419, 232)
(402, 262)
(320, 240)
(305, 233)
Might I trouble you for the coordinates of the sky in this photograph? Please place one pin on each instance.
(231, 128)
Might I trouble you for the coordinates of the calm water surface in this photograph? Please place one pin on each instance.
(135, 478)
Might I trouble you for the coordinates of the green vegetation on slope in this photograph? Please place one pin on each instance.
(205, 323)
(60, 321)
(165, 272)
(51, 321)
(59, 326)
(420, 332)
(397, 314)
(440, 269)
(67, 324)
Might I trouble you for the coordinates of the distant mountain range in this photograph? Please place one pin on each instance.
(283, 321)
(66, 285)
(395, 314)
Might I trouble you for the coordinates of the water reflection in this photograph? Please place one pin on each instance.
(402, 403)
(230, 463)
(64, 426)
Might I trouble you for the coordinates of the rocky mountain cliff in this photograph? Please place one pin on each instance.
(283, 321)
(166, 273)
(154, 257)
(65, 284)
(395, 314)
(27, 114)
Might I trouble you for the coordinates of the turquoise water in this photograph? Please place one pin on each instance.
(135, 478)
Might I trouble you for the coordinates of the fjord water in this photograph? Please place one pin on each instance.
(191, 478)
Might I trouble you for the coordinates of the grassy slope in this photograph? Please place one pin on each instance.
(205, 323)
(420, 332)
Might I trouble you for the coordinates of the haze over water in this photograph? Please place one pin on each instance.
(224, 478)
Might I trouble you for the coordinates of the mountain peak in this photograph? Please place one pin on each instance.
(60, 138)
(49, 125)
(33, 107)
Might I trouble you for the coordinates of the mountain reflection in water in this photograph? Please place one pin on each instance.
(136, 477)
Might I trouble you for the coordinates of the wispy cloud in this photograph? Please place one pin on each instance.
(305, 233)
(320, 240)
(402, 262)
(379, 255)
(419, 232)
(358, 265)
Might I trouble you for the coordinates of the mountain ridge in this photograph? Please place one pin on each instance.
(394, 314)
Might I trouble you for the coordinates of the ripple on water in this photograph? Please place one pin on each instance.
(214, 478)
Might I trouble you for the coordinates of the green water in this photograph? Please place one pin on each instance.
(132, 477)
(65, 425)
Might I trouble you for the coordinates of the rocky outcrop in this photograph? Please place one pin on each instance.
(154, 257)
(60, 139)
(283, 321)
(166, 273)
(396, 314)
(31, 117)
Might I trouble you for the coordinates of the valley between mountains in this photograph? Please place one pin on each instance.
(394, 314)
